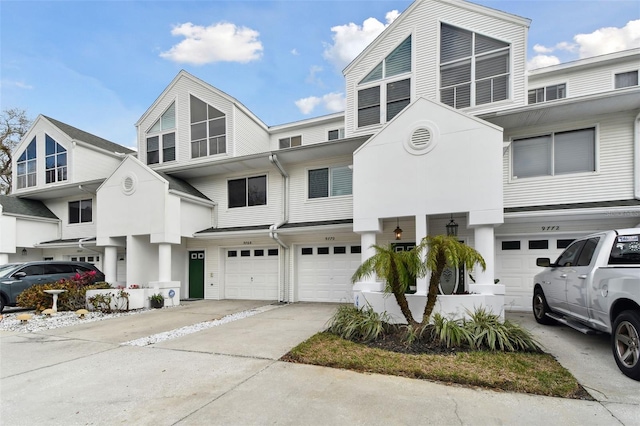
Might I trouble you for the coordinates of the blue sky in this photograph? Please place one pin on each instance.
(98, 65)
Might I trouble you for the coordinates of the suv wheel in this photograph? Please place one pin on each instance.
(540, 308)
(625, 343)
(2, 303)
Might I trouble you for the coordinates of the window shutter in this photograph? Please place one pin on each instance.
(574, 151)
(532, 157)
(318, 183)
(341, 181)
(399, 61)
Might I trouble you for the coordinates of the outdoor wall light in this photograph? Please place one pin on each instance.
(24, 251)
(452, 228)
(398, 230)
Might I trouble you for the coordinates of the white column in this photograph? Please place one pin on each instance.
(422, 231)
(485, 245)
(4, 258)
(164, 262)
(109, 264)
(367, 240)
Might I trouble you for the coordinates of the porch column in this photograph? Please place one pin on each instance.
(109, 264)
(164, 262)
(4, 258)
(367, 239)
(422, 230)
(485, 245)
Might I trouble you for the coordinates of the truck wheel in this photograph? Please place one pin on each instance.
(625, 342)
(540, 308)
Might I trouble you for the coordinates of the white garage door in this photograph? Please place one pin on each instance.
(251, 274)
(324, 272)
(516, 266)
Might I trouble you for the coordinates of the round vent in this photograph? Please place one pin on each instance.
(129, 183)
(420, 138)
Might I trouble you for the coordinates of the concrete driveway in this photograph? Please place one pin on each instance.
(230, 375)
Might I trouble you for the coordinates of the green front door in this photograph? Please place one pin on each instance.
(196, 275)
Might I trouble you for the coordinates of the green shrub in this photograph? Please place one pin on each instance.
(450, 332)
(72, 299)
(489, 332)
(356, 324)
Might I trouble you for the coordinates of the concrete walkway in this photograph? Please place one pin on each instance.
(230, 375)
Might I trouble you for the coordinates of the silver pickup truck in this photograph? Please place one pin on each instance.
(594, 286)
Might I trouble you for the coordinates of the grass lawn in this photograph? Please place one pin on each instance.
(533, 373)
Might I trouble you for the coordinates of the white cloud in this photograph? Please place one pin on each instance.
(313, 78)
(221, 42)
(294, 52)
(350, 39)
(609, 39)
(540, 61)
(333, 102)
(18, 84)
(538, 48)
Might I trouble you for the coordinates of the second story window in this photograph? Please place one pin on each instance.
(474, 69)
(554, 154)
(26, 164)
(330, 182)
(626, 79)
(247, 192)
(80, 211)
(386, 90)
(161, 138)
(335, 134)
(55, 161)
(549, 93)
(208, 129)
(290, 141)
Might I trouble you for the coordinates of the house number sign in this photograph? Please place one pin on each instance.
(329, 238)
(550, 228)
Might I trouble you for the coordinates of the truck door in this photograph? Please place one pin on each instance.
(555, 289)
(578, 280)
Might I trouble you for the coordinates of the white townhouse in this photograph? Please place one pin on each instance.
(443, 126)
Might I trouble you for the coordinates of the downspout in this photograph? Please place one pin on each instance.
(636, 157)
(284, 264)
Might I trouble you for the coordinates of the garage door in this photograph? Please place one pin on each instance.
(251, 273)
(516, 266)
(324, 272)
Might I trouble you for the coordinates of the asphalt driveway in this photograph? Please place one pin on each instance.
(231, 375)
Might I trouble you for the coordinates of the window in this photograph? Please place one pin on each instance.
(80, 211)
(307, 251)
(330, 182)
(625, 250)
(549, 93)
(55, 161)
(161, 139)
(208, 129)
(511, 245)
(538, 244)
(335, 134)
(626, 79)
(587, 252)
(570, 255)
(27, 166)
(394, 94)
(563, 243)
(474, 69)
(554, 154)
(290, 141)
(248, 192)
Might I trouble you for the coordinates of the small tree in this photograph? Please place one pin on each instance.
(13, 126)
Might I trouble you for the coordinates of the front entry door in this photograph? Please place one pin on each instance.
(196, 275)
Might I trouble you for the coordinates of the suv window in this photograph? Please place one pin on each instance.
(570, 255)
(32, 270)
(58, 269)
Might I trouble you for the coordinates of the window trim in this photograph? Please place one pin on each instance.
(288, 140)
(246, 195)
(80, 221)
(26, 162)
(56, 170)
(329, 169)
(340, 131)
(208, 138)
(160, 134)
(596, 153)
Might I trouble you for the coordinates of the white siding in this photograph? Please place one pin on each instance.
(311, 134)
(249, 136)
(424, 24)
(613, 179)
(89, 164)
(303, 209)
(60, 207)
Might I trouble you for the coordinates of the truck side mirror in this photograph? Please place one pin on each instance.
(544, 262)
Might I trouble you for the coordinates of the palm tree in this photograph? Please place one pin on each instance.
(443, 251)
(398, 269)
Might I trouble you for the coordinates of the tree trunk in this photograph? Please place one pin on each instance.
(441, 263)
(400, 296)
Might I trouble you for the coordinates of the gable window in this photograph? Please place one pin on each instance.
(80, 211)
(549, 93)
(290, 141)
(554, 154)
(474, 69)
(27, 166)
(394, 92)
(626, 79)
(335, 134)
(208, 129)
(247, 191)
(55, 161)
(330, 182)
(161, 138)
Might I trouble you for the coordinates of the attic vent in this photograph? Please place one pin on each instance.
(420, 138)
(128, 183)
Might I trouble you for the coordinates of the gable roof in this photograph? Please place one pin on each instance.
(86, 137)
(177, 184)
(25, 207)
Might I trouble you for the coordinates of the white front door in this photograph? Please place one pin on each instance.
(251, 273)
(324, 272)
